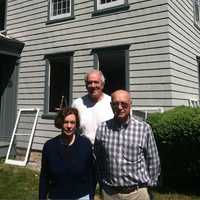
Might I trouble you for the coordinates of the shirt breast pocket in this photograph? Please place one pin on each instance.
(132, 153)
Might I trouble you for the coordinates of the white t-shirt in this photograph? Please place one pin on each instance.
(92, 114)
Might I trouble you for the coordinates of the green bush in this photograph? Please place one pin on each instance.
(177, 133)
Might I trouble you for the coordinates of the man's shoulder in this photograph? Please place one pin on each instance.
(139, 122)
(106, 97)
(106, 123)
(80, 100)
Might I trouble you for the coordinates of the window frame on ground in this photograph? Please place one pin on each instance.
(101, 5)
(101, 61)
(62, 10)
(22, 129)
(59, 87)
(3, 9)
(196, 7)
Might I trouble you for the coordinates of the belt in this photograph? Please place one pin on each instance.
(125, 189)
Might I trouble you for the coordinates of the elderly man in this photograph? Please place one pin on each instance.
(94, 107)
(126, 153)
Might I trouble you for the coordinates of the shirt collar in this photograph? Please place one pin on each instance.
(63, 140)
(119, 125)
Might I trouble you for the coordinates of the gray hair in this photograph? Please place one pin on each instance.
(95, 71)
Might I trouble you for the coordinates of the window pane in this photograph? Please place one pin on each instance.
(60, 7)
(104, 4)
(59, 82)
(107, 1)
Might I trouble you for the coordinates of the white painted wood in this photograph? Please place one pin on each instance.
(15, 161)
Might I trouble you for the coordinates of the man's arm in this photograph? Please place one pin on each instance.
(152, 158)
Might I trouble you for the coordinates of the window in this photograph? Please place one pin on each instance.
(198, 63)
(58, 81)
(2, 14)
(113, 62)
(197, 13)
(60, 9)
(107, 4)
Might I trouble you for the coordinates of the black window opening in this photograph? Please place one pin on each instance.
(198, 64)
(59, 84)
(113, 64)
(2, 14)
(197, 11)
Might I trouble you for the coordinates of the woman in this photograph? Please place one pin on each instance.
(67, 166)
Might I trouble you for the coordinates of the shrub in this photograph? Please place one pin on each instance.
(177, 133)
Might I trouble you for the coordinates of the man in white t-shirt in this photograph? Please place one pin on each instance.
(94, 107)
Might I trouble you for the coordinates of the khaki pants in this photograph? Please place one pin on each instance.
(139, 194)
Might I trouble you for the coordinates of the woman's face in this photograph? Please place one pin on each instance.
(69, 125)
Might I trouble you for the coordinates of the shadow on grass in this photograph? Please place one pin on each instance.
(184, 190)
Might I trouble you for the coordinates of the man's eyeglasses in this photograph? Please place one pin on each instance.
(124, 105)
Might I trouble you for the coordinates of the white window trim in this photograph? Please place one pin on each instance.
(51, 17)
(109, 5)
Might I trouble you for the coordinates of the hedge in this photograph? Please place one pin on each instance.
(177, 133)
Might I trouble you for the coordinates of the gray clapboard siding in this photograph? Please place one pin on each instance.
(28, 59)
(150, 58)
(181, 61)
(149, 73)
(150, 87)
(21, 10)
(38, 146)
(186, 76)
(26, 15)
(150, 80)
(136, 16)
(155, 102)
(151, 64)
(186, 51)
(45, 134)
(31, 85)
(41, 139)
(189, 69)
(31, 90)
(150, 94)
(77, 39)
(33, 96)
(31, 79)
(31, 74)
(162, 56)
(78, 94)
(182, 81)
(30, 101)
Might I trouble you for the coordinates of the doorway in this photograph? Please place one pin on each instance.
(7, 95)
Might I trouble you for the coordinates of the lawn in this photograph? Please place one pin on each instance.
(22, 183)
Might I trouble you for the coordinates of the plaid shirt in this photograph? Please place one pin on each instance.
(126, 155)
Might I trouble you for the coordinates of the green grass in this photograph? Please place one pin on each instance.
(18, 183)
(21, 183)
(174, 196)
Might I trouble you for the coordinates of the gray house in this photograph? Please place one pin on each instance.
(149, 47)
